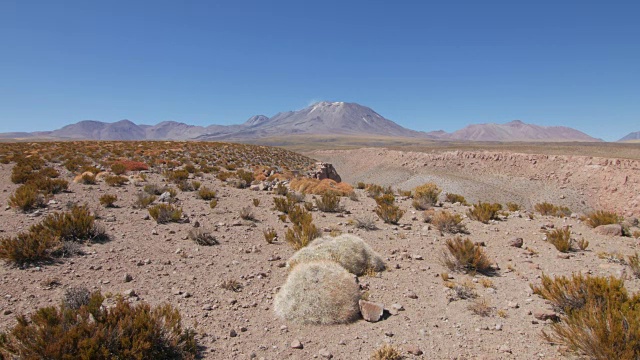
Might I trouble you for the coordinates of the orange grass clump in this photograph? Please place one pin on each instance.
(319, 187)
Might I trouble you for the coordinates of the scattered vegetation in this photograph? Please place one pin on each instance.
(481, 307)
(143, 200)
(270, 235)
(425, 196)
(386, 352)
(513, 207)
(387, 210)
(247, 214)
(202, 237)
(599, 318)
(231, 285)
(108, 200)
(116, 180)
(366, 223)
(27, 198)
(464, 256)
(447, 222)
(561, 239)
(165, 213)
(329, 202)
(545, 208)
(90, 331)
(455, 198)
(205, 193)
(484, 212)
(303, 231)
(601, 217)
(306, 185)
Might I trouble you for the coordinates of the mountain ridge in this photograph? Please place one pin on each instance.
(321, 118)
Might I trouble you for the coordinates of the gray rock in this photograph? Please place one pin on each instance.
(609, 230)
(371, 311)
(516, 242)
(296, 344)
(325, 353)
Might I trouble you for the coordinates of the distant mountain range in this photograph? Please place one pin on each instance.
(323, 118)
(634, 136)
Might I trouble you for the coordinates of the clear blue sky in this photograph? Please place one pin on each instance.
(427, 65)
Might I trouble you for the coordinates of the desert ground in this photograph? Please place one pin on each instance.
(426, 317)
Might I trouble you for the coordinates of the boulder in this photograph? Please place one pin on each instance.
(371, 311)
(609, 230)
(325, 171)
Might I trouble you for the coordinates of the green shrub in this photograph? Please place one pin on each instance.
(387, 211)
(205, 193)
(284, 204)
(634, 264)
(455, 198)
(177, 176)
(246, 176)
(108, 200)
(329, 202)
(484, 212)
(318, 293)
(561, 239)
(601, 217)
(374, 190)
(49, 186)
(303, 231)
(213, 203)
(88, 179)
(27, 198)
(599, 319)
(164, 213)
(126, 331)
(463, 255)
(446, 222)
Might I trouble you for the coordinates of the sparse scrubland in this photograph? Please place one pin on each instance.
(230, 251)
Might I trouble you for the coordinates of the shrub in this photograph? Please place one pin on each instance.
(116, 180)
(76, 297)
(366, 223)
(108, 200)
(513, 206)
(484, 212)
(118, 168)
(601, 217)
(246, 213)
(205, 193)
(284, 204)
(374, 190)
(164, 213)
(270, 235)
(131, 165)
(143, 200)
(87, 178)
(387, 210)
(75, 225)
(318, 293)
(282, 190)
(154, 189)
(186, 185)
(386, 352)
(350, 251)
(329, 202)
(28, 247)
(561, 239)
(634, 264)
(546, 208)
(213, 203)
(427, 194)
(27, 198)
(455, 198)
(446, 222)
(599, 318)
(131, 331)
(246, 176)
(463, 255)
(481, 307)
(303, 230)
(231, 285)
(177, 176)
(319, 187)
(360, 185)
(202, 237)
(49, 186)
(583, 244)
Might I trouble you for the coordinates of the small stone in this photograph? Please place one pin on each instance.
(129, 293)
(371, 311)
(7, 312)
(543, 314)
(516, 242)
(233, 333)
(411, 295)
(128, 277)
(499, 327)
(504, 349)
(413, 350)
(418, 257)
(325, 353)
(296, 344)
(513, 305)
(207, 307)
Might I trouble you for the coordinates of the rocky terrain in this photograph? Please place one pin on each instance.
(582, 183)
(425, 316)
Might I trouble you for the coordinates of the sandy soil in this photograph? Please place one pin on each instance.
(165, 266)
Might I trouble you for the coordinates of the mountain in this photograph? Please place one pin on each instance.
(517, 131)
(322, 118)
(634, 136)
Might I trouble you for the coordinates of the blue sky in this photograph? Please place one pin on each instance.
(427, 65)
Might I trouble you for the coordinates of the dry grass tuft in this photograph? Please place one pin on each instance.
(561, 239)
(464, 256)
(484, 212)
(318, 187)
(386, 352)
(601, 217)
